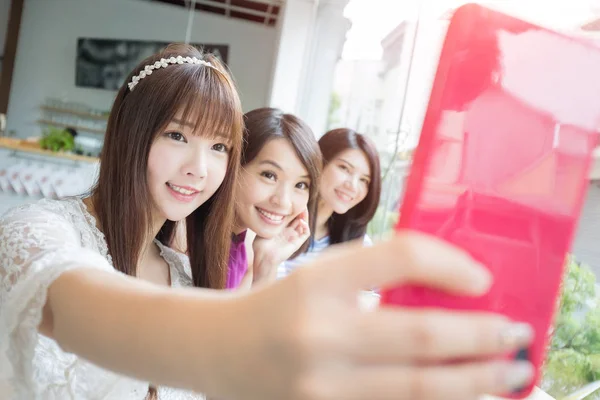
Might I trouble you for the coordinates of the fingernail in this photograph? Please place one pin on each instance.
(518, 376)
(516, 335)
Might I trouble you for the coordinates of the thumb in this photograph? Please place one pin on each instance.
(304, 215)
(407, 258)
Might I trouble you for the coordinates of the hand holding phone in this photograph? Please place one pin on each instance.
(501, 169)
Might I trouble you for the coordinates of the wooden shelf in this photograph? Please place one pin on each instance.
(77, 128)
(29, 147)
(82, 114)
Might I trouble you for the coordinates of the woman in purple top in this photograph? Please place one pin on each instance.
(281, 164)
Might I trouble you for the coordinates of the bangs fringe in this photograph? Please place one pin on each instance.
(212, 105)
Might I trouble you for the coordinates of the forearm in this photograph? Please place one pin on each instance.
(165, 336)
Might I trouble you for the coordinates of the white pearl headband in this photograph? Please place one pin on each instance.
(163, 63)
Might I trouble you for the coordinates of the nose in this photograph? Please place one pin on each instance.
(282, 198)
(196, 164)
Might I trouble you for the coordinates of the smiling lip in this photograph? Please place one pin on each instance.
(184, 194)
(343, 196)
(270, 217)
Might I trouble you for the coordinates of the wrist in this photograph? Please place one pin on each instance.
(232, 349)
(266, 269)
(217, 347)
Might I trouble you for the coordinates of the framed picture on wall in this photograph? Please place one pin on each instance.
(105, 63)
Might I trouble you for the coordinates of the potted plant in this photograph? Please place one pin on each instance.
(56, 139)
(572, 368)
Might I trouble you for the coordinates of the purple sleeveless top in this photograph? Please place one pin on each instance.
(238, 261)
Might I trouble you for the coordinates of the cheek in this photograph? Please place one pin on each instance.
(336, 180)
(300, 202)
(328, 179)
(158, 163)
(261, 193)
(248, 189)
(246, 184)
(245, 198)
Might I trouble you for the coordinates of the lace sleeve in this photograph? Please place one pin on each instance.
(36, 246)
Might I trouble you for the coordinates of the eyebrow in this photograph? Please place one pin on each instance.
(350, 164)
(193, 126)
(277, 166)
(353, 167)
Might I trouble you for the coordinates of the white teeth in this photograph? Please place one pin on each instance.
(344, 196)
(272, 217)
(181, 190)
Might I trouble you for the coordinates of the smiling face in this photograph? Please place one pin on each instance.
(274, 189)
(184, 169)
(345, 180)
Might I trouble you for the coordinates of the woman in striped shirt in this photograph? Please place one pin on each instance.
(349, 192)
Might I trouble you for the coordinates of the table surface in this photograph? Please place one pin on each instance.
(24, 146)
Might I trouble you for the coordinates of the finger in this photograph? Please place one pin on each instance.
(303, 228)
(300, 230)
(304, 215)
(294, 224)
(467, 381)
(407, 258)
(306, 233)
(387, 335)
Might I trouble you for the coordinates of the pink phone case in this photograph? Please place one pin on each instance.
(502, 165)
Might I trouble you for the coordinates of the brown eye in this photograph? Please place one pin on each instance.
(221, 148)
(176, 136)
(269, 175)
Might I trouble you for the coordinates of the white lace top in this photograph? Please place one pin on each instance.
(38, 242)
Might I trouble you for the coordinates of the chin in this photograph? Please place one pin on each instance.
(177, 215)
(177, 218)
(266, 233)
(340, 209)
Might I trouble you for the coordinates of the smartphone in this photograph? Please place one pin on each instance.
(501, 168)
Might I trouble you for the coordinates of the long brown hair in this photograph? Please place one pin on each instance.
(266, 124)
(353, 224)
(121, 196)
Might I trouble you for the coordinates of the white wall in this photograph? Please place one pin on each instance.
(45, 62)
